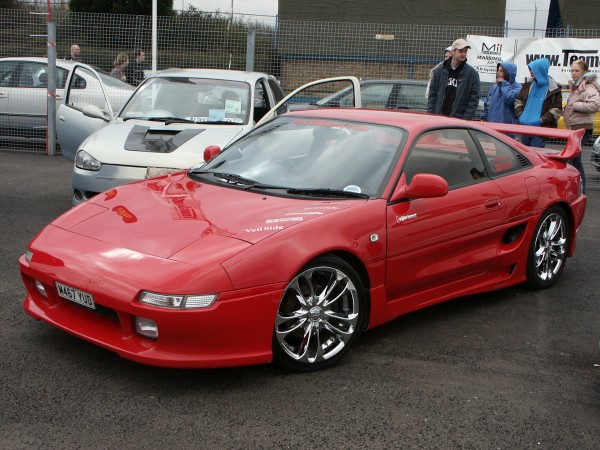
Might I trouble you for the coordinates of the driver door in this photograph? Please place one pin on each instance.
(73, 127)
(319, 86)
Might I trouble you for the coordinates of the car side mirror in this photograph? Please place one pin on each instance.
(423, 185)
(96, 113)
(211, 151)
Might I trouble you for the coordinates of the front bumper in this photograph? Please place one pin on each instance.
(236, 330)
(88, 183)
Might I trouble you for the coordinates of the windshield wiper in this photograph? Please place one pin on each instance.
(322, 192)
(248, 183)
(166, 120)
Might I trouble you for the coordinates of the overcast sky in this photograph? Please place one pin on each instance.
(259, 7)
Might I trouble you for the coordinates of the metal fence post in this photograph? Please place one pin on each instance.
(51, 81)
(250, 46)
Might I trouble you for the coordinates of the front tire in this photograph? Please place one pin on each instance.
(320, 314)
(548, 251)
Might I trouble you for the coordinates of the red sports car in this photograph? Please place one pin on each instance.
(314, 227)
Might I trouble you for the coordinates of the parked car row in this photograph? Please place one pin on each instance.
(24, 98)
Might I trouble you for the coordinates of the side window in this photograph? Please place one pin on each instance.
(374, 95)
(412, 96)
(449, 153)
(277, 91)
(33, 74)
(61, 77)
(9, 73)
(502, 159)
(261, 100)
(85, 89)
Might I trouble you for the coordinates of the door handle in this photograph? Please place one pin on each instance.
(493, 203)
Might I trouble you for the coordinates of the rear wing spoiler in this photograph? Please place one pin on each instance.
(572, 147)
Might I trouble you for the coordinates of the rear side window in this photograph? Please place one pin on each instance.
(501, 158)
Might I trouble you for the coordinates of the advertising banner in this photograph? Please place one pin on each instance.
(486, 52)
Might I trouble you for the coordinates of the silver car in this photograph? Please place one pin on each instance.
(165, 125)
(23, 94)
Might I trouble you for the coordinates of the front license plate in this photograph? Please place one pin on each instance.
(75, 295)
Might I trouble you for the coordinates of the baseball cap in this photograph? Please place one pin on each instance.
(448, 49)
(459, 44)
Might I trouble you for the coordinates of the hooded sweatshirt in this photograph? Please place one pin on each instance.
(500, 102)
(540, 101)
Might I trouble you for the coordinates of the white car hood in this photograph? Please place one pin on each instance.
(144, 143)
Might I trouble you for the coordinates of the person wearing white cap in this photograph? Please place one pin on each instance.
(454, 86)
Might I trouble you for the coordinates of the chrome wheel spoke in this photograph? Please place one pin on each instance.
(550, 247)
(318, 315)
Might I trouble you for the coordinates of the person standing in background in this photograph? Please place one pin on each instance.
(583, 102)
(135, 70)
(454, 88)
(447, 55)
(539, 103)
(74, 53)
(120, 63)
(500, 103)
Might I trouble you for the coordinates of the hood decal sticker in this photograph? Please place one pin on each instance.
(146, 139)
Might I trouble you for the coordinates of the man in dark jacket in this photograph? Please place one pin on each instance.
(134, 72)
(454, 87)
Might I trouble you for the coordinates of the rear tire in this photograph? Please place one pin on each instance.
(548, 250)
(320, 314)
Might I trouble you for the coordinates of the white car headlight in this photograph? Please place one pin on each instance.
(85, 161)
(177, 301)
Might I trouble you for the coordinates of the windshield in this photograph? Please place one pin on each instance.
(309, 154)
(195, 100)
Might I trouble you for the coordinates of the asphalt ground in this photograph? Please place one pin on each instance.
(512, 369)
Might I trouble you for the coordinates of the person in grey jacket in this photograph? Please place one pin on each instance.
(454, 87)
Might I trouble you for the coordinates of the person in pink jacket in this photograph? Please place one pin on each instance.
(582, 104)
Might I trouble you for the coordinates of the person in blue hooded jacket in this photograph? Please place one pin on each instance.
(540, 101)
(499, 105)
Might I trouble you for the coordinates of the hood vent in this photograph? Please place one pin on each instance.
(145, 139)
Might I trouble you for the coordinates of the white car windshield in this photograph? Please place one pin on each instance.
(194, 100)
(306, 156)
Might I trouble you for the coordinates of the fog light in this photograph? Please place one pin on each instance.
(146, 327)
(41, 289)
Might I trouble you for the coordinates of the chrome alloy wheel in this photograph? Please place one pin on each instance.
(550, 247)
(318, 315)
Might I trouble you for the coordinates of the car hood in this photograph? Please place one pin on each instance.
(178, 218)
(154, 144)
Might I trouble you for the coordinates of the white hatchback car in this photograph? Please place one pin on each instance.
(165, 125)
(23, 93)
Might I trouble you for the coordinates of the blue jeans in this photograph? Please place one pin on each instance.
(533, 141)
(577, 162)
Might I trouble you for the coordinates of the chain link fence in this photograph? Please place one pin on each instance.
(295, 52)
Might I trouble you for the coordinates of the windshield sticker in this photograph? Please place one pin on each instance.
(216, 114)
(233, 106)
(401, 219)
(353, 188)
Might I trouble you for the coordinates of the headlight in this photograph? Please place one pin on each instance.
(83, 160)
(177, 301)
